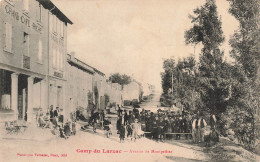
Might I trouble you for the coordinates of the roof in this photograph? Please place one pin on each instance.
(99, 72)
(47, 4)
(80, 64)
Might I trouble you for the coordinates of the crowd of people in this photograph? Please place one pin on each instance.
(166, 124)
(135, 124)
(54, 120)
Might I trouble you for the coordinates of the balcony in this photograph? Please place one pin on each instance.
(26, 62)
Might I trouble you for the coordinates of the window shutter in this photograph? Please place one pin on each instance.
(40, 51)
(62, 61)
(26, 5)
(8, 36)
(51, 22)
(54, 56)
(58, 58)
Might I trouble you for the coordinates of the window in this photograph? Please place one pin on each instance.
(54, 58)
(58, 26)
(8, 37)
(58, 59)
(61, 29)
(51, 21)
(62, 61)
(26, 5)
(39, 13)
(26, 44)
(55, 21)
(40, 51)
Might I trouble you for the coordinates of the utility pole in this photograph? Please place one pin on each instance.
(172, 82)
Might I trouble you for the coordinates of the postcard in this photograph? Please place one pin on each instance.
(129, 80)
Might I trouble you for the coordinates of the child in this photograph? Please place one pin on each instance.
(129, 130)
(107, 128)
(122, 133)
(62, 134)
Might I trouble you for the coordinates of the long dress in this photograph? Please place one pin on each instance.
(135, 130)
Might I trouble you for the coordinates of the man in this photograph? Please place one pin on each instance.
(185, 128)
(119, 111)
(136, 112)
(195, 129)
(55, 116)
(155, 128)
(212, 121)
(56, 112)
(61, 117)
(177, 127)
(51, 113)
(202, 125)
(102, 117)
(131, 117)
(160, 129)
(125, 117)
(122, 133)
(118, 124)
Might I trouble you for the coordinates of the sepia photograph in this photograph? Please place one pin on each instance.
(129, 80)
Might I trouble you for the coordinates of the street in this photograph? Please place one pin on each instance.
(54, 147)
(37, 144)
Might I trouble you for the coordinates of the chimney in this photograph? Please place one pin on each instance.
(72, 55)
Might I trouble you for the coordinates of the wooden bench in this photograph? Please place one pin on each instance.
(169, 133)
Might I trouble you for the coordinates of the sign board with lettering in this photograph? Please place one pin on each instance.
(22, 18)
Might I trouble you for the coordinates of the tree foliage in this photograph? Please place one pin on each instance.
(207, 30)
(231, 91)
(182, 77)
(120, 79)
(246, 86)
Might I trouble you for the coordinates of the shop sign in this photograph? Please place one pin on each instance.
(22, 18)
(57, 74)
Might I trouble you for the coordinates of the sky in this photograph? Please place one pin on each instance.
(133, 37)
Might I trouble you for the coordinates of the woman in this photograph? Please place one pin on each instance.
(135, 126)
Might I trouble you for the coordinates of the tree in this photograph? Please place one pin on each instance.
(167, 75)
(245, 42)
(181, 79)
(120, 79)
(207, 30)
(246, 82)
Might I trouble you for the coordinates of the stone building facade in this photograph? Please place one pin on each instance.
(79, 83)
(32, 57)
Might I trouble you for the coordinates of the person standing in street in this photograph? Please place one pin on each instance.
(160, 129)
(51, 113)
(155, 129)
(212, 121)
(178, 127)
(202, 125)
(55, 116)
(195, 130)
(135, 127)
(184, 124)
(122, 133)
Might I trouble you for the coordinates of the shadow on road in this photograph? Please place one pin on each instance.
(182, 159)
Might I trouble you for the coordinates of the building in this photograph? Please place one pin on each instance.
(133, 91)
(115, 93)
(99, 81)
(33, 47)
(79, 83)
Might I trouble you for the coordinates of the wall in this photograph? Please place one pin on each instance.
(21, 22)
(79, 84)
